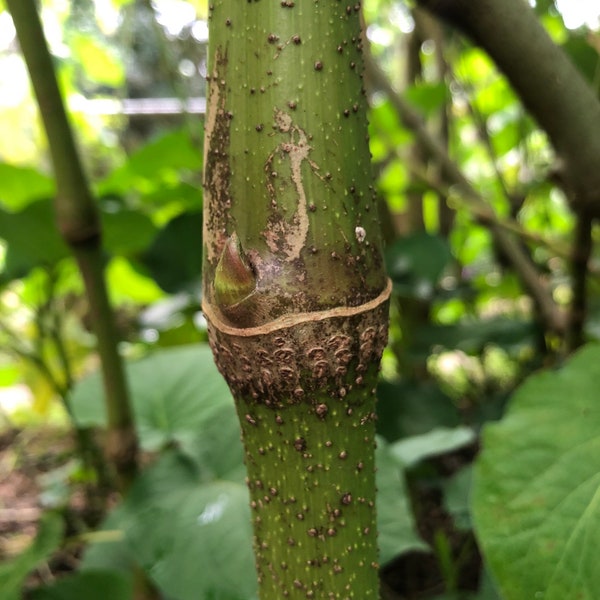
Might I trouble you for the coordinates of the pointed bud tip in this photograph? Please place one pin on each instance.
(234, 277)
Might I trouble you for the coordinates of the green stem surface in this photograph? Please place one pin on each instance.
(295, 291)
(287, 163)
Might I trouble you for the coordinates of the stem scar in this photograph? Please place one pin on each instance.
(296, 149)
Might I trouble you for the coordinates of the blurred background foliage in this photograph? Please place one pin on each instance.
(464, 332)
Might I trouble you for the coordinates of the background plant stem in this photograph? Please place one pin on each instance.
(550, 314)
(78, 221)
(551, 87)
(562, 102)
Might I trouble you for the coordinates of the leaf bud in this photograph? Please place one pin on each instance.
(234, 279)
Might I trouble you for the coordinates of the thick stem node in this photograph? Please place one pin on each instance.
(270, 361)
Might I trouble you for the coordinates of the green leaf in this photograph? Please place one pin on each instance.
(32, 239)
(193, 539)
(175, 198)
(13, 572)
(172, 524)
(407, 408)
(21, 185)
(175, 257)
(457, 492)
(395, 520)
(471, 244)
(383, 117)
(438, 441)
(10, 373)
(126, 232)
(427, 97)
(126, 284)
(159, 160)
(91, 585)
(416, 262)
(109, 548)
(393, 183)
(191, 542)
(173, 150)
(536, 494)
(487, 588)
(509, 129)
(582, 53)
(179, 398)
(472, 336)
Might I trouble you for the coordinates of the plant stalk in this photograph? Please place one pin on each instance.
(549, 84)
(78, 221)
(294, 287)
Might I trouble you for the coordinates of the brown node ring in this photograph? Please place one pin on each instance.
(270, 362)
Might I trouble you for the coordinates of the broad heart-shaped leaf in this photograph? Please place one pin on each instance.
(178, 397)
(395, 520)
(126, 232)
(21, 185)
(32, 239)
(174, 258)
(412, 450)
(192, 536)
(163, 157)
(194, 539)
(47, 540)
(91, 585)
(200, 545)
(536, 497)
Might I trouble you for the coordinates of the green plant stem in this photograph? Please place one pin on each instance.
(415, 154)
(55, 329)
(559, 98)
(480, 212)
(550, 86)
(578, 309)
(78, 221)
(295, 291)
(433, 30)
(551, 316)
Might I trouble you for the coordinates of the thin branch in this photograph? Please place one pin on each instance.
(86, 444)
(486, 217)
(57, 337)
(79, 224)
(55, 329)
(582, 250)
(551, 315)
(15, 347)
(435, 32)
(415, 154)
(550, 86)
(484, 136)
